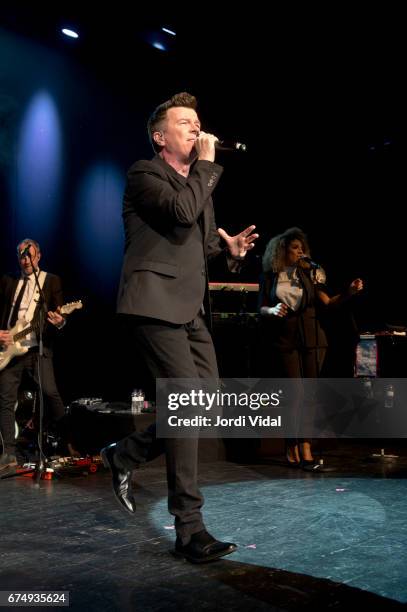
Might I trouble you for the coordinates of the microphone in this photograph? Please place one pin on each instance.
(227, 145)
(25, 252)
(309, 261)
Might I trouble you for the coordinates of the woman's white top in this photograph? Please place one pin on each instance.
(289, 288)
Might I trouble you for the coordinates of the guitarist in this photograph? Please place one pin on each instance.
(18, 300)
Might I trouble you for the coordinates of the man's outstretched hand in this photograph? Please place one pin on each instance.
(241, 243)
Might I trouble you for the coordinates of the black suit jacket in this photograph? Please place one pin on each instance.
(170, 231)
(299, 329)
(53, 295)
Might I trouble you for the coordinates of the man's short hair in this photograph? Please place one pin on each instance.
(159, 114)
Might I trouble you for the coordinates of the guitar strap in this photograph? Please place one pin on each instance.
(35, 296)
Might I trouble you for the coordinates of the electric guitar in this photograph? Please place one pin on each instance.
(21, 330)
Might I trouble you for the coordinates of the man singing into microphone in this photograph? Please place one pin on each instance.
(170, 234)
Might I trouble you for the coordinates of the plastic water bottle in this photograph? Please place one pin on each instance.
(137, 401)
(368, 388)
(389, 396)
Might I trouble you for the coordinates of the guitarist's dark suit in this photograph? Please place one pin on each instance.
(170, 233)
(10, 377)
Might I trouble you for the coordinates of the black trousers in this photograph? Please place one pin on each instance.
(10, 381)
(297, 364)
(171, 351)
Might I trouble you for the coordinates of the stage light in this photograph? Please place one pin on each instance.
(169, 31)
(98, 225)
(70, 33)
(40, 167)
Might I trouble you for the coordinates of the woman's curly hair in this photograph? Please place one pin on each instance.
(274, 258)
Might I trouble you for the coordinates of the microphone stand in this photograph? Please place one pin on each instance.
(319, 465)
(43, 310)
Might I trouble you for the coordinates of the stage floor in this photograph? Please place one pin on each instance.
(306, 541)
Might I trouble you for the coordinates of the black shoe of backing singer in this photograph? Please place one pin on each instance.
(292, 464)
(311, 465)
(203, 548)
(121, 480)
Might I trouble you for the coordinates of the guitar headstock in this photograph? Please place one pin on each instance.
(66, 309)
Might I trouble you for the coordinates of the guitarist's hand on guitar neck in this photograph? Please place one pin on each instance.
(5, 338)
(56, 318)
(10, 341)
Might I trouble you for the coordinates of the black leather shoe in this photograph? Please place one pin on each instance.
(7, 461)
(203, 548)
(121, 480)
(310, 465)
(292, 464)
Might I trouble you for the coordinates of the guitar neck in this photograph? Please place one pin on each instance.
(27, 330)
(66, 309)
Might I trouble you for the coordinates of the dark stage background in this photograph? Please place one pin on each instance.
(317, 98)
